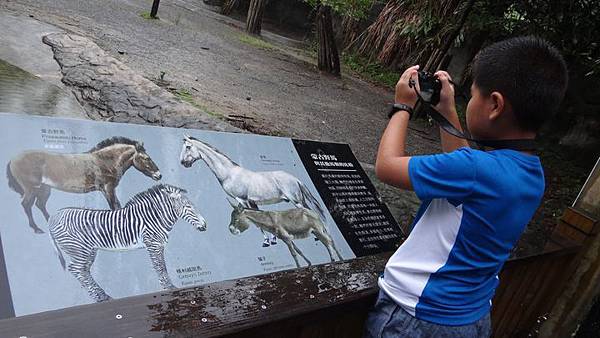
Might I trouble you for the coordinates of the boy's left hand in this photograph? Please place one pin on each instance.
(404, 93)
(446, 106)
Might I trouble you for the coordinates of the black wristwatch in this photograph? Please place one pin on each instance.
(396, 107)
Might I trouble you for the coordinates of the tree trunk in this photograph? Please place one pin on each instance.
(255, 16)
(228, 6)
(328, 57)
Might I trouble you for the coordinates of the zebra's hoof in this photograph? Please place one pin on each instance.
(273, 242)
(103, 299)
(38, 231)
(266, 244)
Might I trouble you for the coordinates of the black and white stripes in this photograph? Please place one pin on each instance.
(145, 221)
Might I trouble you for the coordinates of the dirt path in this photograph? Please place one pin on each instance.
(200, 53)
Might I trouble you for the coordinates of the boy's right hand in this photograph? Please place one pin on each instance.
(446, 106)
(404, 93)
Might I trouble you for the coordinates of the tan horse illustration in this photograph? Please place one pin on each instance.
(32, 174)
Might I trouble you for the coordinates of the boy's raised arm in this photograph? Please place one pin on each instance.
(391, 166)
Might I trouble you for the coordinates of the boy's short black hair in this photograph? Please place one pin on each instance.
(529, 72)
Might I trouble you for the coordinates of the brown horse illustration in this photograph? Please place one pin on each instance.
(33, 173)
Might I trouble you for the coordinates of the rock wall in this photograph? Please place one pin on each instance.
(108, 90)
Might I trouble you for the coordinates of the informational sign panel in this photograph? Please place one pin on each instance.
(93, 211)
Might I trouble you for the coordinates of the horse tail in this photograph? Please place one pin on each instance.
(307, 195)
(12, 182)
(61, 258)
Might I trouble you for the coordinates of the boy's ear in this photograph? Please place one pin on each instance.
(498, 104)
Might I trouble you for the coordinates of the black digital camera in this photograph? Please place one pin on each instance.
(430, 87)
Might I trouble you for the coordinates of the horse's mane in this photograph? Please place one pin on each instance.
(117, 140)
(214, 149)
(154, 190)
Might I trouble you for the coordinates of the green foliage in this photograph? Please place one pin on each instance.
(423, 19)
(184, 95)
(146, 15)
(511, 19)
(370, 70)
(409, 32)
(357, 9)
(571, 25)
(426, 25)
(498, 19)
(256, 42)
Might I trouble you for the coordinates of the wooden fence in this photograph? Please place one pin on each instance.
(528, 288)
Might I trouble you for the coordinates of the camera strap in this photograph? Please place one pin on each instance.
(514, 144)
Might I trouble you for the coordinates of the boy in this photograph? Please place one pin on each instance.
(476, 204)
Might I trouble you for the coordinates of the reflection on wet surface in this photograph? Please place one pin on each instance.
(21, 92)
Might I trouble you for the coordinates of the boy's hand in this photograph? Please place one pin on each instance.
(404, 93)
(446, 106)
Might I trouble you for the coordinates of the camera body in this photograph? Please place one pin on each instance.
(430, 88)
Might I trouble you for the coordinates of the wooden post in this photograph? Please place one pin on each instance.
(328, 58)
(583, 284)
(154, 10)
(255, 16)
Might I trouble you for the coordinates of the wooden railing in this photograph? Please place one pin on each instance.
(528, 289)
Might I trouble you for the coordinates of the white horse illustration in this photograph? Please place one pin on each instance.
(249, 188)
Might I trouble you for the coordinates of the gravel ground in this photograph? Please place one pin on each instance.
(200, 52)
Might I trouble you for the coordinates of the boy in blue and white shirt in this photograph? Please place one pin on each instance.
(476, 204)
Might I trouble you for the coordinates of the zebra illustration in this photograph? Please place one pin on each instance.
(145, 221)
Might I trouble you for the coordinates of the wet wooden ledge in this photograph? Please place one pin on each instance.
(217, 309)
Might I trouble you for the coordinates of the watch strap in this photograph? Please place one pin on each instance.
(396, 107)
